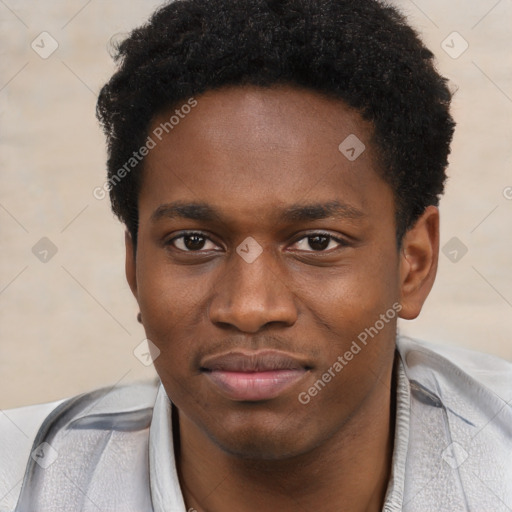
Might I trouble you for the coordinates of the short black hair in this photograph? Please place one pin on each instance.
(361, 52)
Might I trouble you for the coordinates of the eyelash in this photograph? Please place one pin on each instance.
(340, 241)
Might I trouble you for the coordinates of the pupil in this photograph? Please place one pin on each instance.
(318, 242)
(197, 242)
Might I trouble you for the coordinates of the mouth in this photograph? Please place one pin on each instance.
(254, 376)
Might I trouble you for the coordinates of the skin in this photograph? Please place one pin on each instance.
(249, 153)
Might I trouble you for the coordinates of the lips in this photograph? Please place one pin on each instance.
(252, 362)
(253, 376)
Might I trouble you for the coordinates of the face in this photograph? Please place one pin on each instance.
(264, 253)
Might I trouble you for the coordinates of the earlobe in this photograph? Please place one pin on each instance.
(418, 262)
(130, 267)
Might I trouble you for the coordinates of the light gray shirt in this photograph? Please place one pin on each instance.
(112, 450)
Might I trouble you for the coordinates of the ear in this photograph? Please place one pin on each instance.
(419, 256)
(130, 270)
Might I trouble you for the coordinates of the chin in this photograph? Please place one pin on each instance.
(262, 442)
(259, 448)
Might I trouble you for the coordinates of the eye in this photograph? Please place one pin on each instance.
(319, 242)
(191, 242)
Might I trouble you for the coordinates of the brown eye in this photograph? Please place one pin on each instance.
(319, 242)
(194, 242)
(191, 242)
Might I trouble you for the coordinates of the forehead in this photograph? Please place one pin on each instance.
(256, 148)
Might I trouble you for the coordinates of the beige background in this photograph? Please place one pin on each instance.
(68, 325)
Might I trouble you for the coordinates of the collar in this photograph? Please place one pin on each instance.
(163, 475)
(393, 501)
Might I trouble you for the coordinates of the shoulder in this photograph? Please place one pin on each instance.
(18, 429)
(458, 364)
(21, 428)
(459, 427)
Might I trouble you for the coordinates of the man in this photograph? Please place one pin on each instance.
(278, 167)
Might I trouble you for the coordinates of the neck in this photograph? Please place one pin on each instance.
(351, 468)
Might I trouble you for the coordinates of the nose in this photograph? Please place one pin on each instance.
(249, 296)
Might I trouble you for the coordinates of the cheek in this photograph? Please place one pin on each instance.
(172, 308)
(352, 297)
(360, 309)
(359, 305)
(168, 295)
(376, 279)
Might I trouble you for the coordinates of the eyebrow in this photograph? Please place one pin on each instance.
(294, 213)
